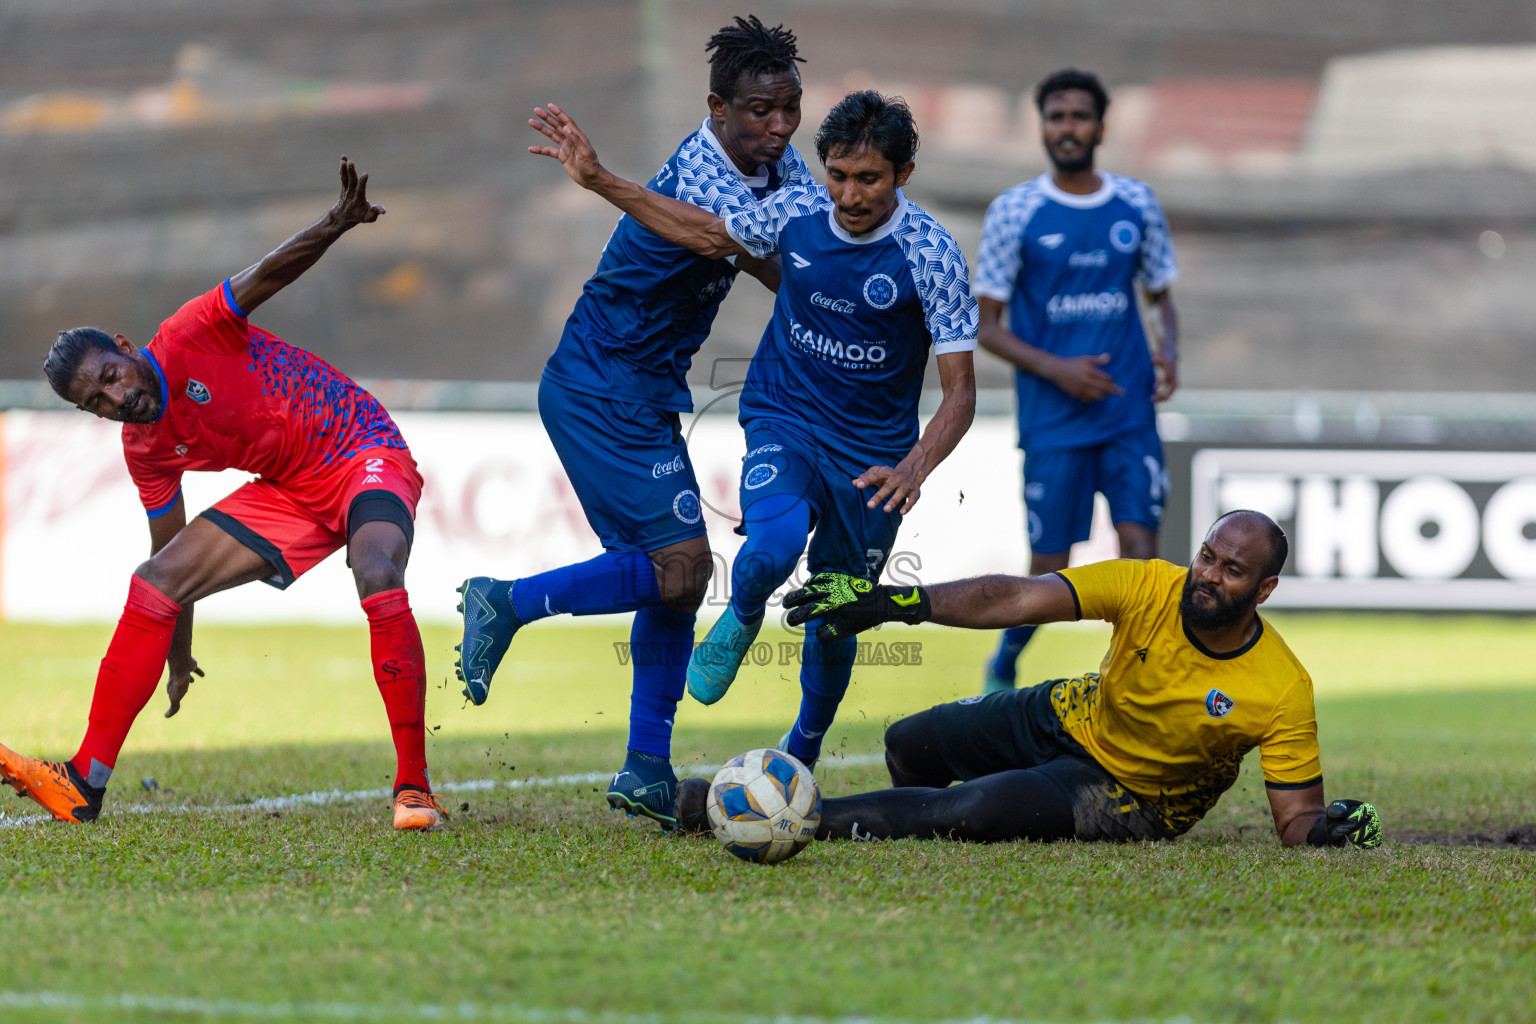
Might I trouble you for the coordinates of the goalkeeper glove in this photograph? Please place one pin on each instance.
(848, 605)
(1347, 821)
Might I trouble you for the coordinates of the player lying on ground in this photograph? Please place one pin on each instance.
(1063, 256)
(212, 392)
(610, 398)
(870, 283)
(1193, 680)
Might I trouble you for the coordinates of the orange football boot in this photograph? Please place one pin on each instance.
(54, 784)
(418, 810)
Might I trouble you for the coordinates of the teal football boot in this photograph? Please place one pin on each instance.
(713, 666)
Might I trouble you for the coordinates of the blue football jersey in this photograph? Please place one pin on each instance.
(1066, 265)
(842, 359)
(649, 306)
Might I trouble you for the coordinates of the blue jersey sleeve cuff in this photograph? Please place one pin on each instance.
(229, 299)
(156, 513)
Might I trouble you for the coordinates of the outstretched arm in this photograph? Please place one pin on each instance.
(901, 486)
(283, 265)
(848, 605)
(678, 222)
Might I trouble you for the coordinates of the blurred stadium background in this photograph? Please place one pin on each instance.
(1352, 190)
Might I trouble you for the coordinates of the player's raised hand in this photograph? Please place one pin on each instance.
(353, 207)
(571, 146)
(179, 679)
(1083, 379)
(896, 486)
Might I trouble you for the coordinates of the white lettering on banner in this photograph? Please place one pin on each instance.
(496, 502)
(1088, 306)
(1509, 529)
(1385, 528)
(1336, 523)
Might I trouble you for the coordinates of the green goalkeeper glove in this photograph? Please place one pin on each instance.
(1347, 821)
(849, 605)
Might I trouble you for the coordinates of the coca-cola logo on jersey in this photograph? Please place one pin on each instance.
(835, 305)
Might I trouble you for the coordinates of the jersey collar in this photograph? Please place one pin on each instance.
(1088, 202)
(165, 389)
(1224, 655)
(750, 180)
(883, 231)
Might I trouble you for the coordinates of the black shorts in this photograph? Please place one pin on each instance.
(1019, 729)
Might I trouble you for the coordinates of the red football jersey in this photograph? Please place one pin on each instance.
(236, 397)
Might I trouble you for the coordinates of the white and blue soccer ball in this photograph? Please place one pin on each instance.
(764, 806)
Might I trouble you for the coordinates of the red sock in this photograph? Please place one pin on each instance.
(128, 677)
(400, 668)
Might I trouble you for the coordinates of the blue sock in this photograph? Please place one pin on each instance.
(660, 642)
(1005, 664)
(614, 581)
(825, 670)
(776, 525)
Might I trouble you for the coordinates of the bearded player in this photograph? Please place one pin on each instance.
(1193, 680)
(211, 392)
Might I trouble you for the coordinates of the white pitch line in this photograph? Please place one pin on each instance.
(188, 1006)
(324, 797)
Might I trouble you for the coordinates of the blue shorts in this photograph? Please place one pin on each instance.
(1059, 485)
(846, 536)
(628, 465)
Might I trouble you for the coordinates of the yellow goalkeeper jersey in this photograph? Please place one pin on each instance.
(1170, 720)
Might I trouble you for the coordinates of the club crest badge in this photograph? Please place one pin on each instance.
(879, 291)
(760, 475)
(1218, 704)
(687, 508)
(198, 392)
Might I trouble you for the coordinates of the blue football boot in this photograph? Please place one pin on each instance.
(713, 666)
(645, 785)
(490, 623)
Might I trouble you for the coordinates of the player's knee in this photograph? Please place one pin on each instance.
(1136, 541)
(682, 580)
(164, 577)
(912, 754)
(377, 576)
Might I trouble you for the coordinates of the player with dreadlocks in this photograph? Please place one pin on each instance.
(611, 396)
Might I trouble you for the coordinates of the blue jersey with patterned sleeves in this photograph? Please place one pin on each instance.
(650, 304)
(842, 360)
(1067, 266)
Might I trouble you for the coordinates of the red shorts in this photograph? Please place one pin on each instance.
(296, 525)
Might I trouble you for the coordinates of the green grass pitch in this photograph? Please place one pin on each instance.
(539, 904)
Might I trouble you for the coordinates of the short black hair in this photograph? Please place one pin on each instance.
(869, 119)
(1279, 544)
(68, 351)
(1071, 78)
(748, 48)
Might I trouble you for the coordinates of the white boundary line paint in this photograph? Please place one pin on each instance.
(325, 797)
(188, 1006)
